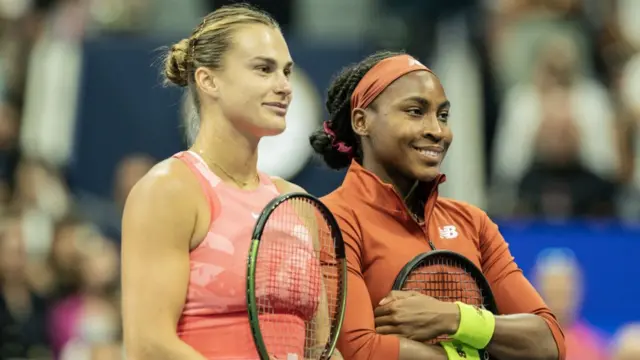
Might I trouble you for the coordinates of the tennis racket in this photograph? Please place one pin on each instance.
(296, 279)
(447, 276)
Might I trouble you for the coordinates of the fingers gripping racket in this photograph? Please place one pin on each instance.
(447, 276)
(296, 279)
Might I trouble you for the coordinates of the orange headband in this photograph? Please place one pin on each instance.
(381, 76)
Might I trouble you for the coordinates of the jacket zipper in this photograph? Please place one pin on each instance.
(425, 230)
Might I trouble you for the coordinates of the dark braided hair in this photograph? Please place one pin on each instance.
(339, 107)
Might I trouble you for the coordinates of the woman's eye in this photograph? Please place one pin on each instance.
(415, 112)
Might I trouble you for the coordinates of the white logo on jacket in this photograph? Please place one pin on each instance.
(448, 232)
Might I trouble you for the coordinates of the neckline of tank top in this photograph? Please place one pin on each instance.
(265, 181)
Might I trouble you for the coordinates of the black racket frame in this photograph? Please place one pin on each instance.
(339, 249)
(466, 264)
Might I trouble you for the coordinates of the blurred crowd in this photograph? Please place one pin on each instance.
(568, 124)
(561, 123)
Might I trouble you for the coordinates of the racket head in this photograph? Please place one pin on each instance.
(447, 276)
(446, 260)
(331, 260)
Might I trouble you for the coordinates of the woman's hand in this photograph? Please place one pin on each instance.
(415, 316)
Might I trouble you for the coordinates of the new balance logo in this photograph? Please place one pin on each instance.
(448, 232)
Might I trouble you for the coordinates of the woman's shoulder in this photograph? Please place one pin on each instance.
(169, 187)
(462, 211)
(337, 203)
(285, 187)
(170, 177)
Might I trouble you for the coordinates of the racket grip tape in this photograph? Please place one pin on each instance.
(476, 326)
(459, 351)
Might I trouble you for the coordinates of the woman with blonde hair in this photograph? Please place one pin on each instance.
(187, 223)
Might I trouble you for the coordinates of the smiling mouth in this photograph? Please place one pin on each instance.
(277, 105)
(278, 108)
(430, 154)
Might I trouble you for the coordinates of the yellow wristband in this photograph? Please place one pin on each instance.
(476, 326)
(458, 351)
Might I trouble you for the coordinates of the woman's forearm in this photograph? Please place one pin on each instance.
(173, 349)
(413, 350)
(522, 336)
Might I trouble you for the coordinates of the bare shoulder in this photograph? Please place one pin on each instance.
(167, 180)
(285, 186)
(167, 197)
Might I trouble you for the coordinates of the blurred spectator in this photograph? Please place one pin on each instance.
(59, 277)
(91, 315)
(556, 139)
(517, 25)
(40, 187)
(22, 311)
(9, 119)
(9, 129)
(560, 283)
(626, 44)
(626, 344)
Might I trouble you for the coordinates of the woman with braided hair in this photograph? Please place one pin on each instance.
(389, 126)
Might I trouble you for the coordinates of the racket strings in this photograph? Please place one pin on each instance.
(298, 281)
(446, 280)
